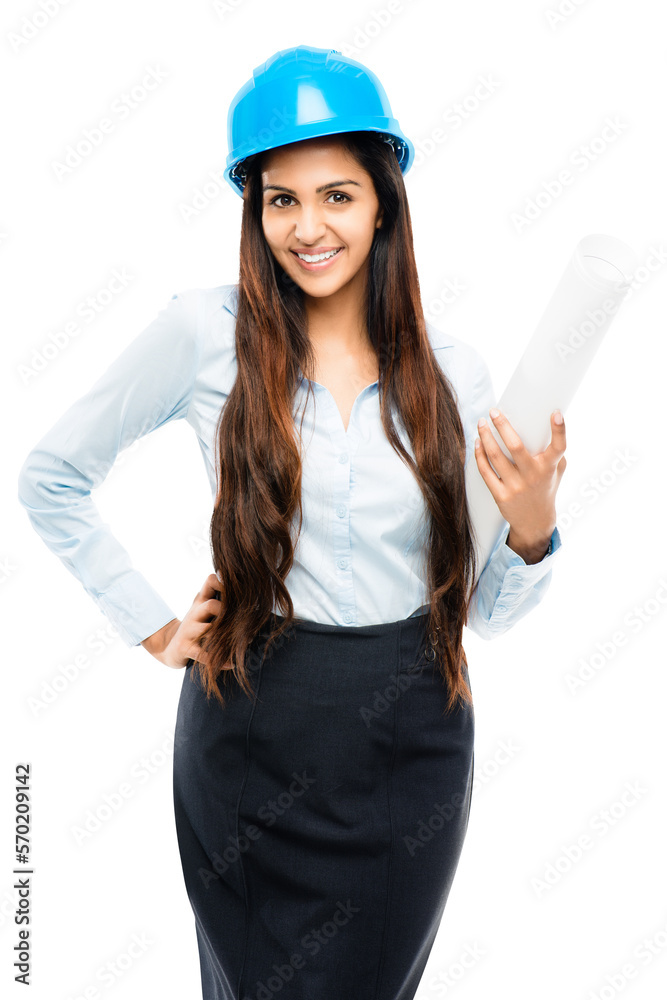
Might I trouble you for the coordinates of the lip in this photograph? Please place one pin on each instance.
(314, 249)
(321, 265)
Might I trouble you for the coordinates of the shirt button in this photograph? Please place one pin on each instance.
(343, 458)
(341, 510)
(347, 616)
(342, 563)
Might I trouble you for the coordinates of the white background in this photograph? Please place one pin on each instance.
(572, 755)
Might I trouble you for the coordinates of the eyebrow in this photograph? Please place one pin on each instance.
(324, 187)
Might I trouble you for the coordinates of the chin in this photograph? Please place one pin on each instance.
(329, 284)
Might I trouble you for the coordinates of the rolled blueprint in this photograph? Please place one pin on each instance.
(579, 313)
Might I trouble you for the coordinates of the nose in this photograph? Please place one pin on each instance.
(309, 228)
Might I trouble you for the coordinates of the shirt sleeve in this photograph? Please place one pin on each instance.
(150, 383)
(508, 587)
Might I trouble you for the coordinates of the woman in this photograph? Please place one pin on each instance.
(324, 740)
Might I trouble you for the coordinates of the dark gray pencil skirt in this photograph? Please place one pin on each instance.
(320, 826)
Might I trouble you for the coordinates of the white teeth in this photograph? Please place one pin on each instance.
(311, 258)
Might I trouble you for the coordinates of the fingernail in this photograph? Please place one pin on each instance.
(558, 417)
(493, 412)
(481, 422)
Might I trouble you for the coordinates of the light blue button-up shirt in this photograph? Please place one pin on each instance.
(360, 556)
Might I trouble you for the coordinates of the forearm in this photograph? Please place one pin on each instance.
(530, 550)
(158, 641)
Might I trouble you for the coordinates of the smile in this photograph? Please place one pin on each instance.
(317, 262)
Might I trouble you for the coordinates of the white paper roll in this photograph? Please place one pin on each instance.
(579, 313)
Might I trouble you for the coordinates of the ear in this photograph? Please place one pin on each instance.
(378, 224)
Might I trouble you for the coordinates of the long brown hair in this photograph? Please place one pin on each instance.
(258, 463)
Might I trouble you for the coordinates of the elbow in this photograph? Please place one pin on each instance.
(489, 623)
(37, 487)
(28, 482)
(488, 629)
(46, 480)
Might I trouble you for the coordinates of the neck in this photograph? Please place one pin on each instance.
(337, 323)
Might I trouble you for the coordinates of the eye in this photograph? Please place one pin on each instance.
(277, 197)
(341, 194)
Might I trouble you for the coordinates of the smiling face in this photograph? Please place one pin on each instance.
(316, 197)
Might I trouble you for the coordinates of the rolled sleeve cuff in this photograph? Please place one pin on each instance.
(509, 587)
(134, 608)
(506, 560)
(516, 578)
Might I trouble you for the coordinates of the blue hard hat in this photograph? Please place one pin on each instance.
(301, 93)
